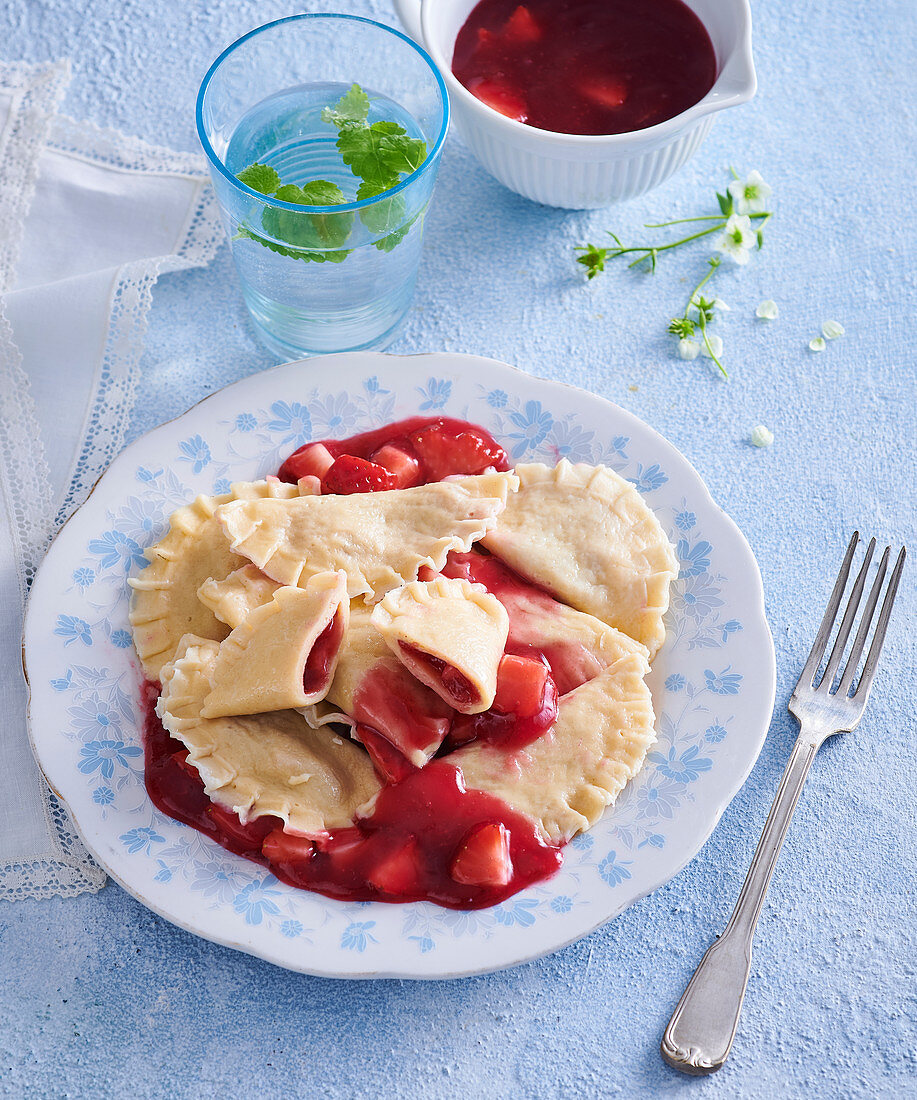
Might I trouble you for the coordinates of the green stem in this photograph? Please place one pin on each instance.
(664, 247)
(703, 328)
(714, 264)
(683, 221)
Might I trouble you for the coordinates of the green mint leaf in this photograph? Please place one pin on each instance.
(315, 193)
(393, 239)
(725, 202)
(383, 216)
(309, 231)
(261, 178)
(403, 154)
(760, 236)
(351, 107)
(380, 153)
(244, 233)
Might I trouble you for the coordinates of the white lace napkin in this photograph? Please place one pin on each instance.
(89, 219)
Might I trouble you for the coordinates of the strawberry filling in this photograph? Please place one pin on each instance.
(525, 706)
(414, 719)
(390, 764)
(316, 674)
(452, 684)
(349, 474)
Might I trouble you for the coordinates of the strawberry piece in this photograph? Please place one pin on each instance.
(500, 97)
(521, 684)
(521, 27)
(250, 836)
(486, 37)
(483, 857)
(348, 474)
(313, 460)
(391, 764)
(607, 91)
(282, 847)
(444, 452)
(403, 466)
(397, 872)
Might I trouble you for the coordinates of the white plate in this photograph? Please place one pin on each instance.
(713, 681)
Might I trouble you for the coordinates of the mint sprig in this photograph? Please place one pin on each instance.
(379, 155)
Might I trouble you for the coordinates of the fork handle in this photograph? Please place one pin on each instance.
(703, 1025)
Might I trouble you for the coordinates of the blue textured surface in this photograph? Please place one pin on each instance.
(98, 997)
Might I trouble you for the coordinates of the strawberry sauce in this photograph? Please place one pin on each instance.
(405, 850)
(397, 456)
(585, 66)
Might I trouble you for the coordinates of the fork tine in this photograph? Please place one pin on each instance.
(862, 692)
(824, 631)
(865, 623)
(844, 629)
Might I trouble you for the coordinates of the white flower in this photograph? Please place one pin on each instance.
(749, 196)
(712, 346)
(768, 310)
(831, 330)
(761, 436)
(688, 349)
(737, 238)
(818, 344)
(718, 303)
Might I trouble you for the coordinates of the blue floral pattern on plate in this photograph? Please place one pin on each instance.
(710, 681)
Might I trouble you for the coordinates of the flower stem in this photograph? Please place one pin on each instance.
(664, 247)
(714, 263)
(683, 221)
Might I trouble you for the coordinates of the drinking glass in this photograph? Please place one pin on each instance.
(320, 278)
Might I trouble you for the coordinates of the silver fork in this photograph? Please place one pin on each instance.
(703, 1025)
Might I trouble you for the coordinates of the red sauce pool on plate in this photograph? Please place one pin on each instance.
(427, 838)
(585, 66)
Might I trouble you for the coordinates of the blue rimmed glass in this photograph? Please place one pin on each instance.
(320, 279)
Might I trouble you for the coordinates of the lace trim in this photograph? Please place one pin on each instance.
(67, 873)
(41, 88)
(68, 869)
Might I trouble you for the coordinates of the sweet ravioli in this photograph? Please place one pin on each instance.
(262, 764)
(380, 540)
(450, 635)
(566, 779)
(372, 690)
(420, 692)
(587, 536)
(283, 654)
(165, 603)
